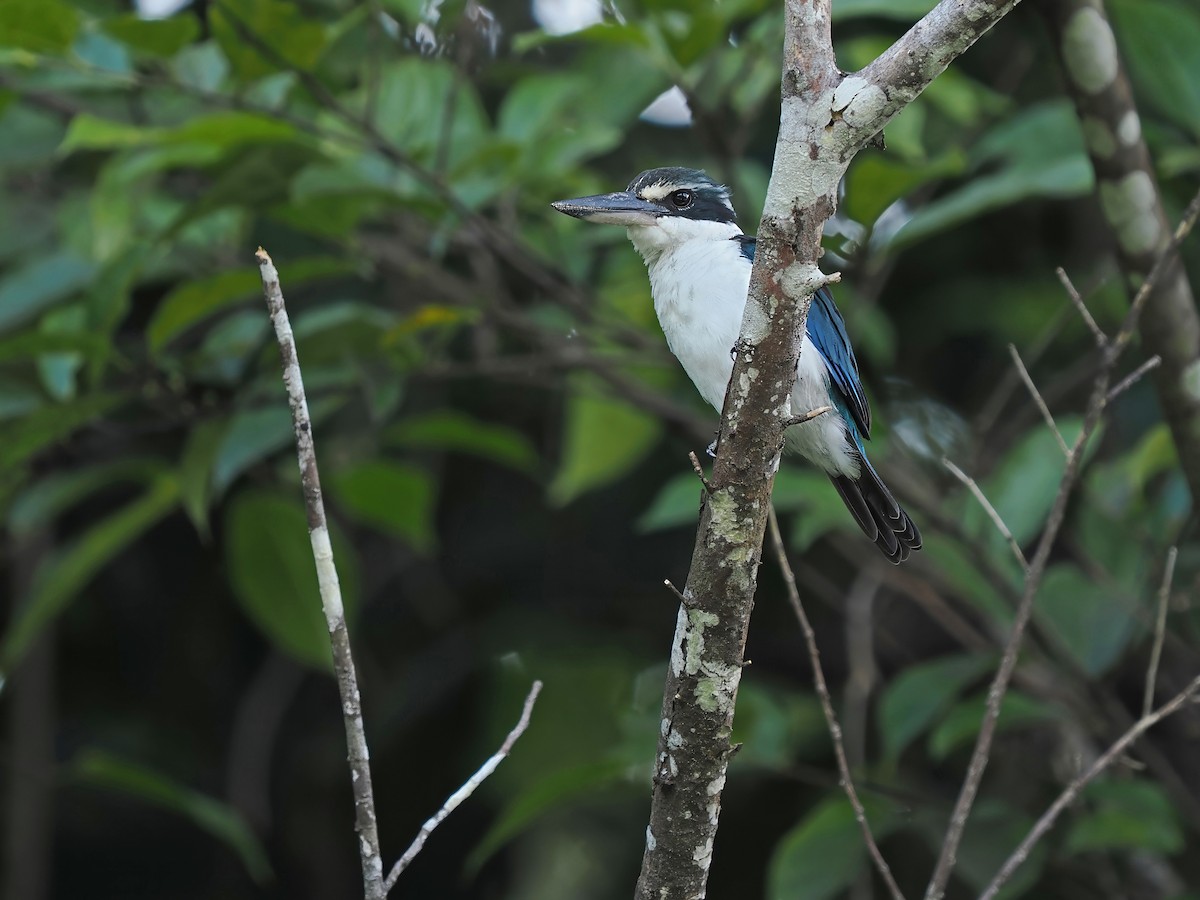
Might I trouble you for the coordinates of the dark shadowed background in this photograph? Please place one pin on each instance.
(503, 441)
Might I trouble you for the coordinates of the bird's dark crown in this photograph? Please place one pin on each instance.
(709, 200)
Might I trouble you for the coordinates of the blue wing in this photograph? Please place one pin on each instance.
(827, 332)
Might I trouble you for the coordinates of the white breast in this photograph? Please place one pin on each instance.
(699, 280)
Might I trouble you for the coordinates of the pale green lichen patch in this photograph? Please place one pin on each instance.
(717, 686)
(1090, 51)
(1130, 206)
(1100, 139)
(1191, 380)
(698, 620)
(1129, 129)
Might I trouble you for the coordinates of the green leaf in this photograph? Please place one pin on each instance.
(40, 284)
(198, 299)
(157, 37)
(221, 821)
(221, 130)
(290, 38)
(252, 435)
(390, 496)
(551, 791)
(42, 26)
(876, 182)
(1039, 152)
(17, 399)
(676, 503)
(822, 855)
(1093, 621)
(1161, 43)
(48, 425)
(50, 496)
(414, 99)
(1023, 487)
(274, 578)
(921, 694)
(65, 573)
(196, 468)
(961, 724)
(604, 438)
(1133, 814)
(454, 431)
(26, 345)
(962, 573)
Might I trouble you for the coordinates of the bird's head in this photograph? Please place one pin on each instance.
(662, 207)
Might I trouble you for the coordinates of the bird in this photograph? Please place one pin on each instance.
(684, 226)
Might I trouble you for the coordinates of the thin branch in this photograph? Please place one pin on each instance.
(331, 594)
(1160, 630)
(1182, 230)
(1037, 398)
(1037, 567)
(1133, 378)
(807, 417)
(831, 721)
(469, 787)
(826, 117)
(674, 590)
(1100, 337)
(1008, 662)
(699, 470)
(974, 488)
(1072, 791)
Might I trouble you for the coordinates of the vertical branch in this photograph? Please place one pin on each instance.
(831, 721)
(331, 594)
(825, 119)
(1132, 206)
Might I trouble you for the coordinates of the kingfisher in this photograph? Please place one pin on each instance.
(684, 226)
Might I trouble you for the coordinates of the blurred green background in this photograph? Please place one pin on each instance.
(503, 441)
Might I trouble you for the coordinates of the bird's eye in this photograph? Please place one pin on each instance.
(682, 199)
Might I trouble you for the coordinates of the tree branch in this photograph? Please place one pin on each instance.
(825, 119)
(1033, 578)
(831, 721)
(331, 593)
(1072, 790)
(1132, 206)
(454, 800)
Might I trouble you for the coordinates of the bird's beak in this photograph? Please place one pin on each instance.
(621, 208)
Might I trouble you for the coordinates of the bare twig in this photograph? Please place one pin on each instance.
(1084, 312)
(468, 788)
(990, 510)
(699, 470)
(1160, 630)
(807, 417)
(1133, 377)
(1072, 791)
(674, 590)
(831, 721)
(1182, 230)
(331, 594)
(1037, 398)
